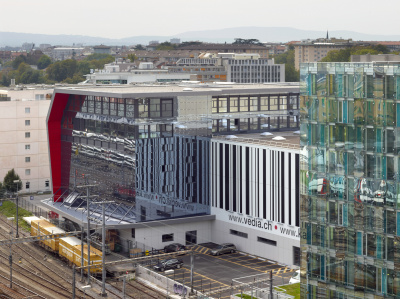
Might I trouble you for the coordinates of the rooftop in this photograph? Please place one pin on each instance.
(187, 89)
(291, 141)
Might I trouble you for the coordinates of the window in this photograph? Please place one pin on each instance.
(27, 134)
(47, 183)
(27, 122)
(27, 110)
(27, 146)
(238, 233)
(266, 241)
(133, 233)
(296, 256)
(27, 159)
(27, 171)
(27, 185)
(168, 237)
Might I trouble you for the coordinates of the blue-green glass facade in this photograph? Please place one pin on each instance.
(350, 182)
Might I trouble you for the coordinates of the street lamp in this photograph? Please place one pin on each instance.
(17, 182)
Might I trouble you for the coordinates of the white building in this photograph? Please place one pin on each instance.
(23, 137)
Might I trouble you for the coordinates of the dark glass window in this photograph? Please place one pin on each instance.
(168, 237)
(266, 241)
(238, 233)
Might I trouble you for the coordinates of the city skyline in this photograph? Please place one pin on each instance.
(90, 18)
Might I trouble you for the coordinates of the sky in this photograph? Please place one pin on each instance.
(126, 18)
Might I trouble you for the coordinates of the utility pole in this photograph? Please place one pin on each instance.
(17, 183)
(271, 287)
(103, 247)
(191, 271)
(10, 257)
(87, 186)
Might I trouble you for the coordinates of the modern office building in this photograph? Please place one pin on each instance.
(349, 206)
(169, 158)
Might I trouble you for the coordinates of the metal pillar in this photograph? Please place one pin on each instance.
(82, 228)
(103, 256)
(271, 287)
(88, 235)
(123, 288)
(191, 271)
(73, 282)
(17, 183)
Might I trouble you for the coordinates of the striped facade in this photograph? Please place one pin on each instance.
(255, 181)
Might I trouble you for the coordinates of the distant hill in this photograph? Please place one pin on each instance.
(264, 34)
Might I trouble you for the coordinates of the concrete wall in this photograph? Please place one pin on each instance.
(152, 236)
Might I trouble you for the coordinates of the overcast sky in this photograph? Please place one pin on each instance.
(125, 18)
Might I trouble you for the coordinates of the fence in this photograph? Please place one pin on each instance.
(35, 210)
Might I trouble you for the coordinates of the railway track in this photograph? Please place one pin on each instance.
(137, 290)
(36, 272)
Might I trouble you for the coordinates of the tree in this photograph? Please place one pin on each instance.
(251, 41)
(17, 61)
(9, 179)
(139, 47)
(44, 61)
(165, 46)
(337, 56)
(132, 57)
(287, 58)
(192, 43)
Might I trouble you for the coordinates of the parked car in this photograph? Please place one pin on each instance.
(224, 248)
(295, 278)
(174, 247)
(168, 264)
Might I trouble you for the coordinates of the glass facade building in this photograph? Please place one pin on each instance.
(350, 183)
(148, 148)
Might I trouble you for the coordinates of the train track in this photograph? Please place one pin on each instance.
(49, 279)
(138, 290)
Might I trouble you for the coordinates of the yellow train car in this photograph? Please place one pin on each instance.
(43, 227)
(95, 258)
(67, 248)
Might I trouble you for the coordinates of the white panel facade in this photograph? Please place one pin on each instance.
(261, 181)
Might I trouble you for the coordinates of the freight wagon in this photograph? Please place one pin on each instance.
(68, 248)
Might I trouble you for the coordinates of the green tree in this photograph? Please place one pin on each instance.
(99, 56)
(17, 61)
(382, 49)
(191, 43)
(132, 57)
(44, 61)
(287, 58)
(242, 41)
(9, 179)
(165, 46)
(338, 56)
(139, 47)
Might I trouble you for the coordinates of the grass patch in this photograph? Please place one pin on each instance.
(292, 289)
(245, 296)
(9, 209)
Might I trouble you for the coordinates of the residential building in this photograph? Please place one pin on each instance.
(62, 53)
(102, 49)
(349, 172)
(23, 141)
(166, 155)
(229, 48)
(315, 50)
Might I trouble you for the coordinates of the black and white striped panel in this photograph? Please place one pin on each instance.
(255, 181)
